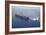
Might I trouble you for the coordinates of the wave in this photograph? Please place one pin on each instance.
(35, 19)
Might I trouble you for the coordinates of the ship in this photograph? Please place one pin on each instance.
(21, 16)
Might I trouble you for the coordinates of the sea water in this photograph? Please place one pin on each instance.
(18, 22)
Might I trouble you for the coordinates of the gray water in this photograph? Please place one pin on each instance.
(19, 22)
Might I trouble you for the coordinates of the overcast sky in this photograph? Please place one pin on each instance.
(27, 11)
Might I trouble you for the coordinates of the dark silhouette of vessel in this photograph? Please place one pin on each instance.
(22, 17)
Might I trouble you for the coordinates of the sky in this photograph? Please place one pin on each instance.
(31, 12)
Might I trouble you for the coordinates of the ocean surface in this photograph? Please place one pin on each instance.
(20, 22)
